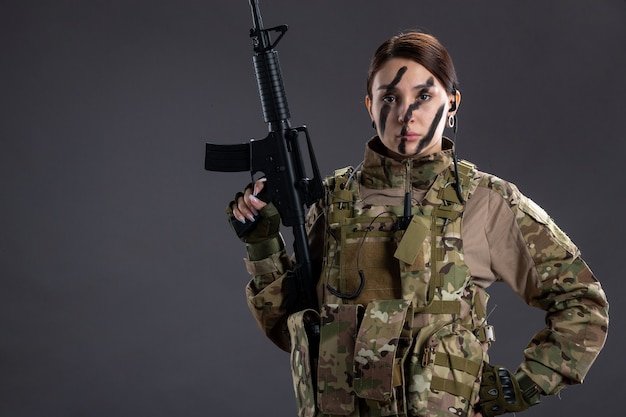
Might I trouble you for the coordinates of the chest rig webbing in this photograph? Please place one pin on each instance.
(391, 299)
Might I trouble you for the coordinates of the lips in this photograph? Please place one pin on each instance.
(409, 136)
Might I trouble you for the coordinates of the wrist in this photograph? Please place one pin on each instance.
(263, 249)
(530, 390)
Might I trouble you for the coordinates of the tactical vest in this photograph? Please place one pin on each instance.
(403, 328)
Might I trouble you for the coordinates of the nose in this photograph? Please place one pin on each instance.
(405, 113)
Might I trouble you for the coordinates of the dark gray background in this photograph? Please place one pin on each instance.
(121, 291)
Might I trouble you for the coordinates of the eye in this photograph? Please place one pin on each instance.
(424, 97)
(389, 99)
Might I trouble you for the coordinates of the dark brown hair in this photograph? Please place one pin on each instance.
(420, 47)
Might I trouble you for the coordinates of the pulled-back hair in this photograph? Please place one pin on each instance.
(420, 47)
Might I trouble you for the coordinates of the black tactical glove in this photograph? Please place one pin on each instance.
(501, 392)
(262, 237)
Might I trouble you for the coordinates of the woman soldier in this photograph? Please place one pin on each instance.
(402, 294)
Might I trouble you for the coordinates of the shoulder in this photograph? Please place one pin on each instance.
(498, 187)
(480, 185)
(342, 185)
(503, 192)
(338, 188)
(338, 177)
(531, 219)
(497, 191)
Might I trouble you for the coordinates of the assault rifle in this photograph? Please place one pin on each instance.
(277, 156)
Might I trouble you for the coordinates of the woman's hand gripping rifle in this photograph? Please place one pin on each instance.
(278, 158)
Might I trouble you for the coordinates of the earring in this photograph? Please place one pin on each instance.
(451, 120)
(373, 125)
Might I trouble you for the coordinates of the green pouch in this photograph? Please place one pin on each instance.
(375, 350)
(367, 248)
(444, 371)
(336, 358)
(301, 367)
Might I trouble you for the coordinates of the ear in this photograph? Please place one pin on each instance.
(368, 104)
(454, 101)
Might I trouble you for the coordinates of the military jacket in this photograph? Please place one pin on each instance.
(505, 237)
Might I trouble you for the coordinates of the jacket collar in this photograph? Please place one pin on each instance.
(380, 171)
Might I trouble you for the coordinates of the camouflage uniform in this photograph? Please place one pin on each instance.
(413, 340)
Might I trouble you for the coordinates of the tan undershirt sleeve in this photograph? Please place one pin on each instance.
(494, 246)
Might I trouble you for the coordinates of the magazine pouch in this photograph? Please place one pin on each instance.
(381, 342)
(335, 364)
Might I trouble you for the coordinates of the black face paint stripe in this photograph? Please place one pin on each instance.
(427, 86)
(382, 122)
(402, 146)
(416, 105)
(395, 80)
(407, 117)
(409, 113)
(431, 131)
(386, 109)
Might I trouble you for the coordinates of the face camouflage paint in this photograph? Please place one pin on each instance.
(384, 111)
(407, 117)
(431, 131)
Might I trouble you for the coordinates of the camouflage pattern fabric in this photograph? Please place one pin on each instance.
(444, 373)
(336, 358)
(375, 350)
(301, 363)
(265, 297)
(433, 367)
(554, 357)
(419, 269)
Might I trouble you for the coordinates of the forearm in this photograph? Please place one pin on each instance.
(265, 295)
(577, 323)
(266, 267)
